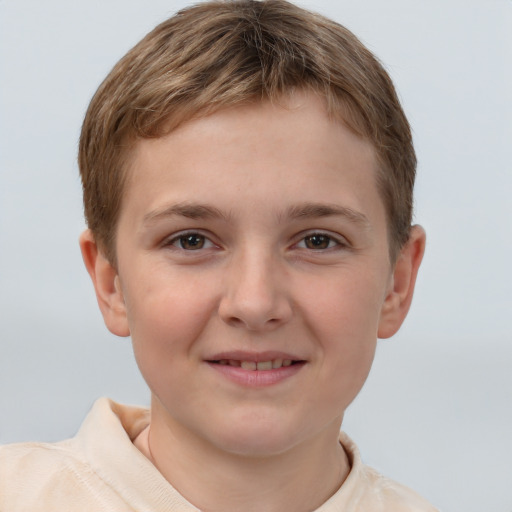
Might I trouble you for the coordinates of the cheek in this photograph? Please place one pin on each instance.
(166, 320)
(343, 317)
(344, 308)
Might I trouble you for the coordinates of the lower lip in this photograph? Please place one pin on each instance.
(257, 378)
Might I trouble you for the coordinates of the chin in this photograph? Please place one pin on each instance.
(258, 437)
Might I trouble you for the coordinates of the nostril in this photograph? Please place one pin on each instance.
(234, 321)
(252, 323)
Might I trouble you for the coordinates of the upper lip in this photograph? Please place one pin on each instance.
(242, 355)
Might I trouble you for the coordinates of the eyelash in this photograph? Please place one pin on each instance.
(333, 242)
(178, 239)
(330, 239)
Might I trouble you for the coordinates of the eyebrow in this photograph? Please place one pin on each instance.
(188, 210)
(313, 210)
(300, 211)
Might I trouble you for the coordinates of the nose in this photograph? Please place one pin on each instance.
(255, 294)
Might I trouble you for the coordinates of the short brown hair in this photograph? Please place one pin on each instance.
(225, 53)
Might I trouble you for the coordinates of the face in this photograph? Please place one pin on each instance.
(253, 273)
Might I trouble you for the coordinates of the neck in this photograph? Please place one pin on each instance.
(300, 479)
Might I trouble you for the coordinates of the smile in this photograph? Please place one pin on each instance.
(272, 364)
(256, 370)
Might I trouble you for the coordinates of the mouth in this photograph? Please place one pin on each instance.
(256, 369)
(251, 365)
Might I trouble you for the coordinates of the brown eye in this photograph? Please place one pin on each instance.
(318, 241)
(191, 242)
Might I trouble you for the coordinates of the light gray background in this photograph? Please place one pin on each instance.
(436, 410)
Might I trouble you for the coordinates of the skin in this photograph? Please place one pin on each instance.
(291, 255)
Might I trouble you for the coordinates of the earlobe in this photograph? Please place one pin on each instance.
(107, 286)
(399, 297)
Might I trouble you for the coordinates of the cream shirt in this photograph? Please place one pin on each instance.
(101, 470)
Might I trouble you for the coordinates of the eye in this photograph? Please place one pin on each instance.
(191, 242)
(318, 241)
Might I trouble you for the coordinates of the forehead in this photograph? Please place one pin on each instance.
(266, 151)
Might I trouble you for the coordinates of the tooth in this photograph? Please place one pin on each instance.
(223, 362)
(287, 362)
(248, 365)
(264, 365)
(233, 362)
(277, 363)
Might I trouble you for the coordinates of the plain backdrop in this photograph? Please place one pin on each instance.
(435, 413)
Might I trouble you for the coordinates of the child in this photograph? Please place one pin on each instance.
(247, 173)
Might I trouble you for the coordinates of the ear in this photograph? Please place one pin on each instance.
(106, 284)
(401, 288)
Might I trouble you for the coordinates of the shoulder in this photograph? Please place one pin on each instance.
(34, 458)
(72, 475)
(369, 490)
(391, 495)
(31, 472)
(35, 476)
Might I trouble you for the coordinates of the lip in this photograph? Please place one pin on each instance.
(256, 378)
(243, 355)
